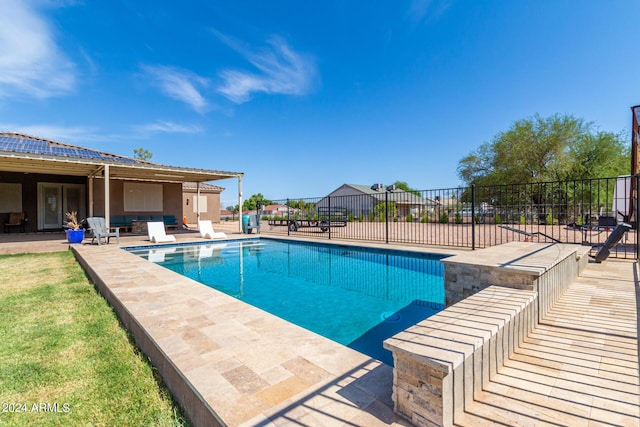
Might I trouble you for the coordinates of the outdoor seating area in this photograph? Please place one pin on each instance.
(126, 221)
(16, 221)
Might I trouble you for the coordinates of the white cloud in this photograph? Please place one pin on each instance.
(182, 85)
(281, 71)
(31, 62)
(421, 10)
(165, 127)
(76, 134)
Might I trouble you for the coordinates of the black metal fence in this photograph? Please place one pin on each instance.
(581, 211)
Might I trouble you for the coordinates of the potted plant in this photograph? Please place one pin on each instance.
(75, 233)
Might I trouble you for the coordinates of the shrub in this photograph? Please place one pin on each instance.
(350, 217)
(549, 219)
(424, 219)
(458, 218)
(444, 218)
(498, 219)
(409, 218)
(360, 218)
(523, 220)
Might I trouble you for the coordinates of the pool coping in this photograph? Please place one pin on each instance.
(210, 350)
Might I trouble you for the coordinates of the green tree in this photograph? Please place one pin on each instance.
(560, 147)
(142, 153)
(251, 203)
(404, 186)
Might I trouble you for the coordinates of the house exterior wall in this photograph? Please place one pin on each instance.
(213, 206)
(172, 196)
(171, 199)
(30, 192)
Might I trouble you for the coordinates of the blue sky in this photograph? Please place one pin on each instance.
(305, 96)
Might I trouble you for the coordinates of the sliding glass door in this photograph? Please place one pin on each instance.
(55, 199)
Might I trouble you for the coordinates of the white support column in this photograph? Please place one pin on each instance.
(240, 203)
(107, 208)
(90, 196)
(198, 204)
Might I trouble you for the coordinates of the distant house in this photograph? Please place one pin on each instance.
(207, 202)
(275, 210)
(226, 215)
(362, 200)
(44, 179)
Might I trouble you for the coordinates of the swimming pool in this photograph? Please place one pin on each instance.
(353, 295)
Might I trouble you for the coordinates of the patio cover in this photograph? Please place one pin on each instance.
(30, 154)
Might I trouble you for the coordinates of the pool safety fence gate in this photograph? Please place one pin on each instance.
(580, 211)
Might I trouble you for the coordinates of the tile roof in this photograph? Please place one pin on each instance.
(203, 187)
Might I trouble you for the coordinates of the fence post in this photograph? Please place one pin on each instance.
(473, 217)
(328, 219)
(635, 194)
(288, 217)
(386, 216)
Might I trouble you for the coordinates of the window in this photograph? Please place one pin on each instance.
(10, 197)
(142, 197)
(203, 203)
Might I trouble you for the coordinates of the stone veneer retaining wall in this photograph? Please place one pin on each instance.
(498, 296)
(547, 268)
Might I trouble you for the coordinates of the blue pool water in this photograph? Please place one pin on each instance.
(355, 296)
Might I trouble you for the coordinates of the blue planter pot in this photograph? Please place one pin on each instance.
(75, 236)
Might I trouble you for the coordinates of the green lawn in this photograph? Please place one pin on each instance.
(64, 358)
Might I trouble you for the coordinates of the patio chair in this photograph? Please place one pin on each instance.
(206, 231)
(99, 230)
(157, 234)
(16, 220)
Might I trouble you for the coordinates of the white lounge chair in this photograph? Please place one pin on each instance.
(157, 233)
(206, 230)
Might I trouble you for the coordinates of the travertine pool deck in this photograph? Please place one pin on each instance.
(579, 366)
(247, 366)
